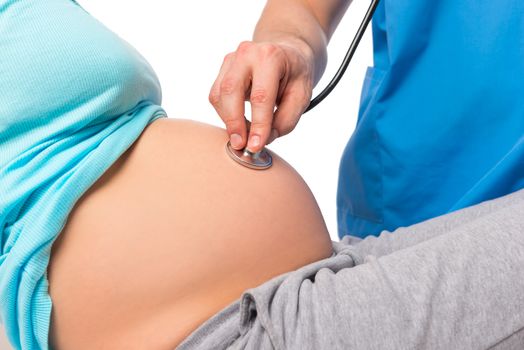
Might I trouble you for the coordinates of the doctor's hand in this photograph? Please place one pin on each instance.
(269, 75)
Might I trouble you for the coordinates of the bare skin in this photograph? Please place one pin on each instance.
(170, 235)
(278, 68)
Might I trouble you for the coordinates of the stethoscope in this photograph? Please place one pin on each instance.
(262, 159)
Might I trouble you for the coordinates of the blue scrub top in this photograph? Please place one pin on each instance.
(441, 120)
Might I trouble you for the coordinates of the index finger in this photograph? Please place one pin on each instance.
(263, 97)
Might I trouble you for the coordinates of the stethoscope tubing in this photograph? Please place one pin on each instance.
(263, 160)
(347, 59)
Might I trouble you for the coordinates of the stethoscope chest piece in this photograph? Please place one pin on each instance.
(258, 161)
(262, 160)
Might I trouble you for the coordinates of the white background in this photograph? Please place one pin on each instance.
(186, 41)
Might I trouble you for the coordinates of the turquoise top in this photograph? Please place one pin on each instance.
(73, 97)
(441, 121)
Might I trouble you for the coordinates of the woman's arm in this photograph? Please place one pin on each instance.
(279, 68)
(306, 24)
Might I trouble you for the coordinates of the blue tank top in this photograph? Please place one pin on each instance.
(73, 97)
(441, 119)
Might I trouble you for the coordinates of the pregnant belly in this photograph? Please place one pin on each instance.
(173, 232)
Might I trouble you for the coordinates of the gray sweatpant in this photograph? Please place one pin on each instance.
(452, 282)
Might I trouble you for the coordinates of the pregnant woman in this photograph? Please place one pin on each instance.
(154, 228)
(123, 229)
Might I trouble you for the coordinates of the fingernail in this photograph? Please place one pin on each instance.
(236, 141)
(273, 136)
(254, 141)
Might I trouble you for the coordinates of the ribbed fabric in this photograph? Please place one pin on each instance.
(73, 97)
